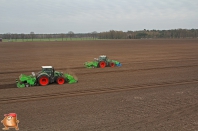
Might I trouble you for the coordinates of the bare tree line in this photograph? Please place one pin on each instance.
(63, 36)
(112, 34)
(175, 33)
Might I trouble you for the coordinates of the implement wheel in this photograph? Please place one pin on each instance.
(102, 64)
(27, 85)
(43, 80)
(60, 80)
(112, 65)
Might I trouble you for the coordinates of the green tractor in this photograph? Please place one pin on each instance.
(102, 62)
(46, 76)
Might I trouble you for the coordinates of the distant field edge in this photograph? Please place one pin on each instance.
(49, 40)
(85, 39)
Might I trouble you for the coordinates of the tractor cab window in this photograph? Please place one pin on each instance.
(103, 58)
(48, 71)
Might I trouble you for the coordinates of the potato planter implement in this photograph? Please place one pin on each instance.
(102, 62)
(47, 76)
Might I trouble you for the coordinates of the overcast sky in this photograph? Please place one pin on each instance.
(83, 16)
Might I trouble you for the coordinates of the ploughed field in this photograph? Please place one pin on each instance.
(155, 89)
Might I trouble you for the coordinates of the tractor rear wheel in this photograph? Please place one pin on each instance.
(102, 64)
(60, 80)
(27, 85)
(43, 80)
(112, 65)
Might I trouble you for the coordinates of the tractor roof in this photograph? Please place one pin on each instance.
(103, 56)
(47, 67)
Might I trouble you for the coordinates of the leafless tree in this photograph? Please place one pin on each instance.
(49, 36)
(71, 34)
(7, 36)
(94, 34)
(15, 36)
(32, 35)
(22, 36)
(62, 36)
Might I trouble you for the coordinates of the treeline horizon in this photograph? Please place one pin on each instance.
(112, 34)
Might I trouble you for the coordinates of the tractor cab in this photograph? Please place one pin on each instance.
(102, 58)
(49, 70)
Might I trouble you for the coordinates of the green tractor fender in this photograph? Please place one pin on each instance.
(59, 78)
(42, 74)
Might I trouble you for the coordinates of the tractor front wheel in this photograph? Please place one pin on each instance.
(102, 64)
(112, 64)
(43, 80)
(60, 80)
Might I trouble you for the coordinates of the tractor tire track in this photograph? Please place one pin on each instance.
(163, 60)
(142, 69)
(93, 91)
(126, 63)
(173, 114)
(12, 85)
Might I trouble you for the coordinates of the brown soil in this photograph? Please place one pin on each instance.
(155, 89)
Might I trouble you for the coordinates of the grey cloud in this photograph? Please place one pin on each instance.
(49, 16)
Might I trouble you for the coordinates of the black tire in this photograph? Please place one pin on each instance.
(111, 64)
(43, 80)
(102, 64)
(60, 80)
